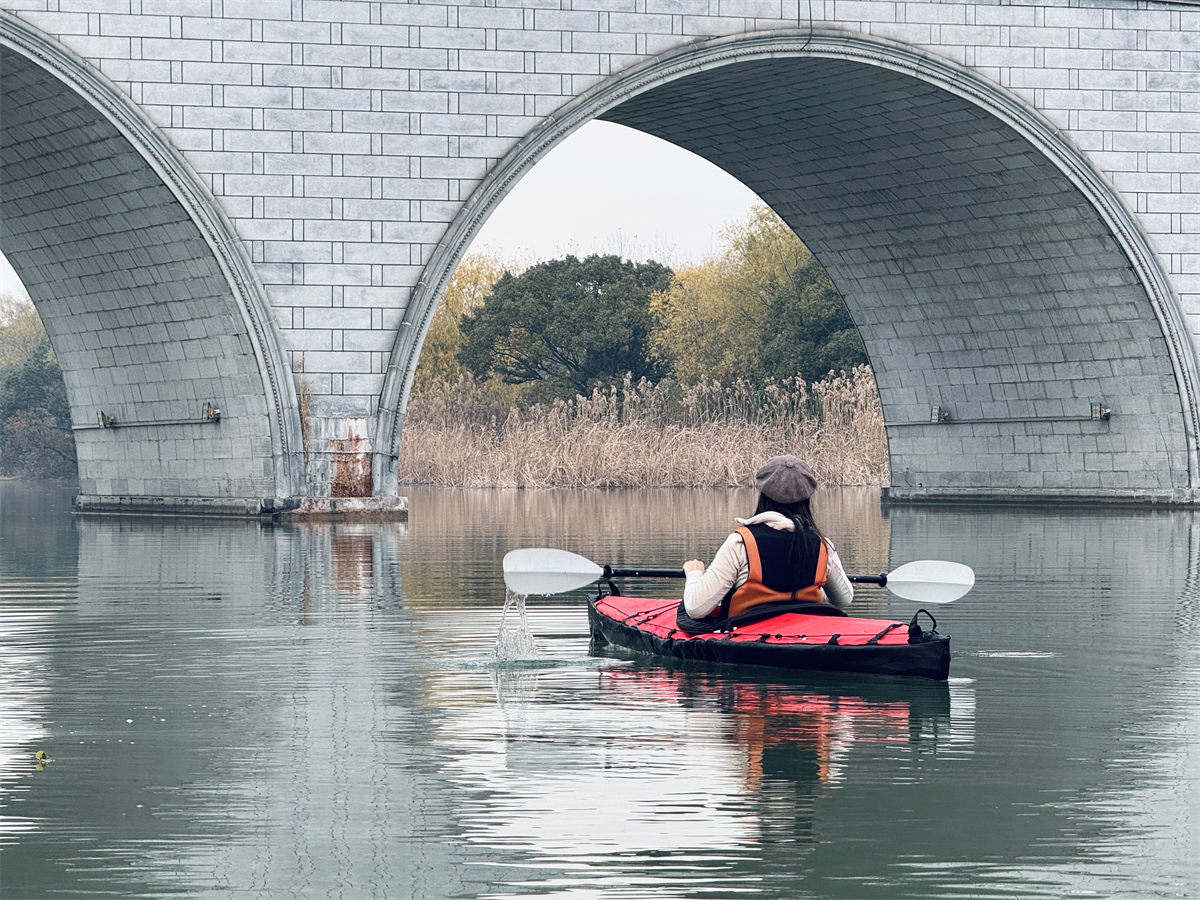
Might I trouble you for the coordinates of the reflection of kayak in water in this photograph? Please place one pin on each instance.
(881, 708)
(824, 639)
(795, 730)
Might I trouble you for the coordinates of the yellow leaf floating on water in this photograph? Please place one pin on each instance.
(42, 758)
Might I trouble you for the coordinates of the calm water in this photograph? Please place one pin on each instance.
(237, 709)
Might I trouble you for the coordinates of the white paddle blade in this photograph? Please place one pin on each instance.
(543, 570)
(931, 581)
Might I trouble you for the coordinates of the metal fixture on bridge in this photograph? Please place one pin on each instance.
(210, 414)
(940, 415)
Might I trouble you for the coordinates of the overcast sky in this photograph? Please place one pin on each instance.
(610, 189)
(605, 189)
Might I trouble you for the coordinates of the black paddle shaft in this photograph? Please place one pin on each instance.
(642, 572)
(650, 572)
(880, 579)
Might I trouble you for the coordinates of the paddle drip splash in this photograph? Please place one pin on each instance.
(514, 640)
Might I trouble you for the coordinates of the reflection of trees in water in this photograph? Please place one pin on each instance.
(660, 527)
(849, 516)
(1063, 559)
(30, 548)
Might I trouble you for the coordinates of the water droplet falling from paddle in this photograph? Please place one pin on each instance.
(513, 639)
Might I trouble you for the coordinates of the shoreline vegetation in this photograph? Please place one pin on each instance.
(605, 373)
(465, 432)
(599, 372)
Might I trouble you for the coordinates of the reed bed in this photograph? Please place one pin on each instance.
(466, 433)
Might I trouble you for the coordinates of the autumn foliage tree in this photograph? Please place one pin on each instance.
(471, 282)
(765, 309)
(35, 419)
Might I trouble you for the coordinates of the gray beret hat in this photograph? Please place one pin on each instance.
(786, 479)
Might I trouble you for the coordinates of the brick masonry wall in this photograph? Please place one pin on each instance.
(1006, 302)
(135, 306)
(343, 138)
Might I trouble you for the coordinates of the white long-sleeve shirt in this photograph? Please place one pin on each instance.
(703, 592)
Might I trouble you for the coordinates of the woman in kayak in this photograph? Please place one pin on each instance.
(777, 559)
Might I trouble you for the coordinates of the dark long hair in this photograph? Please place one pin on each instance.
(799, 512)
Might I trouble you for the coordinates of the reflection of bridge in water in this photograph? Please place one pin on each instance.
(217, 215)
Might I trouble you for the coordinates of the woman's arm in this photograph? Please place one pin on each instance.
(838, 589)
(705, 589)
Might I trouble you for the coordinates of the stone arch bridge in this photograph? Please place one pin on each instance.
(236, 218)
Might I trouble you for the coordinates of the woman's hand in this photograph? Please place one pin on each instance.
(693, 565)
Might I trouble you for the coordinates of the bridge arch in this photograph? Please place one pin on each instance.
(178, 391)
(995, 275)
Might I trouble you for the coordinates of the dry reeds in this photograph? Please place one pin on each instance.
(463, 433)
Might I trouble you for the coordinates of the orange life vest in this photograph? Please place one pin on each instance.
(774, 575)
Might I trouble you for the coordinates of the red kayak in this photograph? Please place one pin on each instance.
(820, 638)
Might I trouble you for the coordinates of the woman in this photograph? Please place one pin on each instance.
(777, 558)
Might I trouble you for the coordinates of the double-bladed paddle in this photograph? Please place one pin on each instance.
(543, 570)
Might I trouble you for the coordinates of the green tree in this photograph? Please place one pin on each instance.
(35, 419)
(813, 333)
(711, 321)
(764, 309)
(566, 326)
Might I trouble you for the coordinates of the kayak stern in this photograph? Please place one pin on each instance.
(787, 641)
